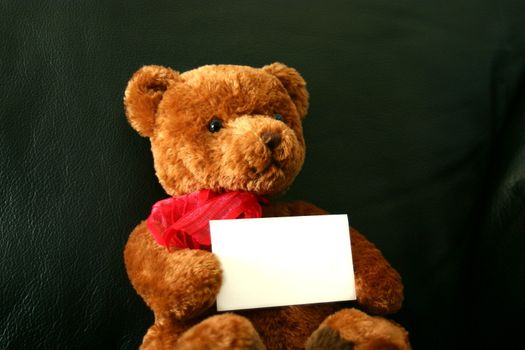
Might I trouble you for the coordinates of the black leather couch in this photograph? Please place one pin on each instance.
(416, 130)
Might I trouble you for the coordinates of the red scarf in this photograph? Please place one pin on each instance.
(183, 221)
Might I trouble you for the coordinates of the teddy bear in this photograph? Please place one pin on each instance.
(226, 141)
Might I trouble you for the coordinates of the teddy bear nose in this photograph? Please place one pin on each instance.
(271, 139)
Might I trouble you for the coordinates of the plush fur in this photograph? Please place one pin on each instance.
(253, 152)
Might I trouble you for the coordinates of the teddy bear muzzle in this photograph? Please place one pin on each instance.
(272, 147)
(260, 155)
(271, 139)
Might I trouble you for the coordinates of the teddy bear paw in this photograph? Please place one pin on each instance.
(351, 329)
(221, 332)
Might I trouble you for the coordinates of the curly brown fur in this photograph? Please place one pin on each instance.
(179, 284)
(221, 332)
(253, 152)
(378, 286)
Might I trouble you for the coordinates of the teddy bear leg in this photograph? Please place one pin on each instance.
(353, 329)
(221, 332)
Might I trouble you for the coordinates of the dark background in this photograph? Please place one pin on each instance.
(416, 130)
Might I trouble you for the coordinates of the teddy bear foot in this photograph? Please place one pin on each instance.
(353, 329)
(221, 332)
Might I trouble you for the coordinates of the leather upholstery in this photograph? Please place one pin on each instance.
(416, 130)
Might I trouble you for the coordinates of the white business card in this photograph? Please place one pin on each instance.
(283, 261)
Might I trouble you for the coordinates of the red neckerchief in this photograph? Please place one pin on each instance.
(183, 221)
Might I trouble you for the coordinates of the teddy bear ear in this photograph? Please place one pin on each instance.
(143, 95)
(293, 82)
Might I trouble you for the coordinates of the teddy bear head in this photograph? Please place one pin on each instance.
(221, 127)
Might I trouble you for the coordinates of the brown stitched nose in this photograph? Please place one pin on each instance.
(271, 139)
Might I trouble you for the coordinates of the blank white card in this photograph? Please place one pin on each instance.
(283, 261)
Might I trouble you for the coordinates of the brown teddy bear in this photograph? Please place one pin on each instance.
(223, 137)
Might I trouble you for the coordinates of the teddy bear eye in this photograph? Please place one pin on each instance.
(278, 117)
(215, 125)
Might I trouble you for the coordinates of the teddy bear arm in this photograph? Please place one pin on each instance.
(179, 283)
(378, 285)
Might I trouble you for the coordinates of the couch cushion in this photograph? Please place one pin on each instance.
(415, 130)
